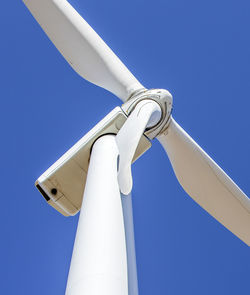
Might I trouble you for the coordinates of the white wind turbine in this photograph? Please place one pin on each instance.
(103, 260)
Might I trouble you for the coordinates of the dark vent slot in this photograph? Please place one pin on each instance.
(46, 197)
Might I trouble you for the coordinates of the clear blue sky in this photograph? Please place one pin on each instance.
(200, 51)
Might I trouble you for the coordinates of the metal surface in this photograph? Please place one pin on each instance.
(67, 176)
(99, 260)
(160, 96)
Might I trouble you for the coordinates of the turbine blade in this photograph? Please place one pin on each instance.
(145, 114)
(83, 49)
(130, 244)
(206, 182)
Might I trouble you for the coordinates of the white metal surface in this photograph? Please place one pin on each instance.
(68, 174)
(147, 113)
(161, 97)
(206, 182)
(99, 262)
(83, 49)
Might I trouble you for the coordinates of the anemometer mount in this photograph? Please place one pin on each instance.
(160, 96)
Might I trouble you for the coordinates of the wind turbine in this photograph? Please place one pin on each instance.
(99, 164)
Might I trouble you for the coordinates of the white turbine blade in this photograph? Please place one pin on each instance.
(206, 182)
(99, 260)
(83, 49)
(146, 114)
(130, 244)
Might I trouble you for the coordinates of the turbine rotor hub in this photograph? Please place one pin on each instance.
(160, 96)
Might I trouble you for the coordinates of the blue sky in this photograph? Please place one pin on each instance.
(200, 51)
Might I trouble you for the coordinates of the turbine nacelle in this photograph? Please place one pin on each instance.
(62, 184)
